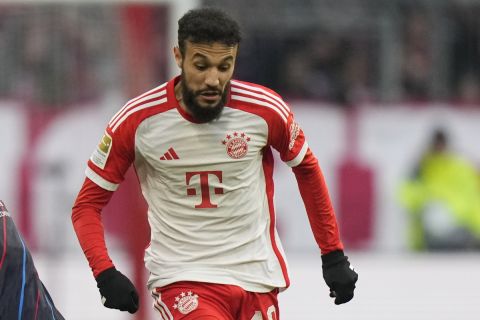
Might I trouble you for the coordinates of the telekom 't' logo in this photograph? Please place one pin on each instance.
(204, 187)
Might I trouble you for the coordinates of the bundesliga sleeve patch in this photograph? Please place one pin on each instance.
(100, 155)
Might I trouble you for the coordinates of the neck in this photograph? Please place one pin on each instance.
(179, 97)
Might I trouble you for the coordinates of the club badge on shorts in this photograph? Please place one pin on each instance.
(186, 302)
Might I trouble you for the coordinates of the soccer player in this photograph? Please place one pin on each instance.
(201, 145)
(22, 293)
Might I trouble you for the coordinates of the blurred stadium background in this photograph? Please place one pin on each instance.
(368, 81)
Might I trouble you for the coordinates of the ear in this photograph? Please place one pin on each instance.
(178, 56)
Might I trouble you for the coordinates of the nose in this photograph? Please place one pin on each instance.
(212, 78)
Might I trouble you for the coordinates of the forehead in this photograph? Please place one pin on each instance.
(214, 50)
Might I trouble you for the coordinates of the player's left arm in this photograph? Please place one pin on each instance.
(289, 139)
(337, 273)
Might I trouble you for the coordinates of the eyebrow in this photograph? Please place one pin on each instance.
(199, 55)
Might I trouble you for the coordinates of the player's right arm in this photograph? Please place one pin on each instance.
(87, 223)
(105, 171)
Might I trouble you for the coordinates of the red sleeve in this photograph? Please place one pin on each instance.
(316, 198)
(87, 222)
(287, 137)
(113, 156)
(289, 140)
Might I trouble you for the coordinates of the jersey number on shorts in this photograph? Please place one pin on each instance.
(270, 314)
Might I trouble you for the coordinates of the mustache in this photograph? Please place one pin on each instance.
(209, 91)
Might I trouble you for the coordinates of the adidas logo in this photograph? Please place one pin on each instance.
(169, 155)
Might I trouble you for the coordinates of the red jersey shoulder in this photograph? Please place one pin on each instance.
(141, 107)
(260, 99)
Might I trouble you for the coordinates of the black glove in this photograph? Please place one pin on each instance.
(338, 275)
(117, 291)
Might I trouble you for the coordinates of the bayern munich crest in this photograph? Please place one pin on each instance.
(186, 302)
(236, 144)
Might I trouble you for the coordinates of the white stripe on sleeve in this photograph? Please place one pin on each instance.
(101, 182)
(299, 158)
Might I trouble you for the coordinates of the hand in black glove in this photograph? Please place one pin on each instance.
(117, 291)
(338, 275)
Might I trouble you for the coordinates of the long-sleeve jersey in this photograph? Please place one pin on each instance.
(209, 187)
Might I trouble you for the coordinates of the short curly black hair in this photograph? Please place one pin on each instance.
(207, 25)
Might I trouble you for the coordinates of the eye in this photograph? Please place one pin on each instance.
(200, 67)
(224, 67)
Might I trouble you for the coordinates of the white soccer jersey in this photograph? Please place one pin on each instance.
(208, 186)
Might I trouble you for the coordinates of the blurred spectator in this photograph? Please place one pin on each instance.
(359, 73)
(417, 59)
(325, 58)
(54, 55)
(57, 55)
(293, 80)
(468, 92)
(327, 67)
(443, 199)
(260, 57)
(465, 56)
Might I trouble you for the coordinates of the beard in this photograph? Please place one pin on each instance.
(202, 113)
